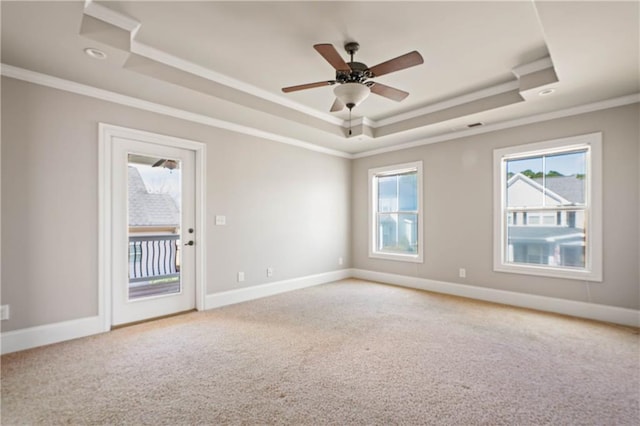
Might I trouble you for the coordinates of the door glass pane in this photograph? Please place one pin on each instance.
(154, 200)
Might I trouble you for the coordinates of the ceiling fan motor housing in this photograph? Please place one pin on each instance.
(358, 74)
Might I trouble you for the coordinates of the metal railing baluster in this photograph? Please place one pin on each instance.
(153, 257)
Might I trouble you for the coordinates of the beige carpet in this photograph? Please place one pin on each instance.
(349, 352)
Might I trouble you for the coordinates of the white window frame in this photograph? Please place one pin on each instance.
(593, 199)
(373, 209)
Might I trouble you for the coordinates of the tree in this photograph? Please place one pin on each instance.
(531, 174)
(537, 175)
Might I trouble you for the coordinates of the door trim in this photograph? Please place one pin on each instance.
(106, 134)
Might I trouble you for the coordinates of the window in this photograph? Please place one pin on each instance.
(395, 202)
(548, 208)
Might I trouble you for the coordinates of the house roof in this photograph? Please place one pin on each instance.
(539, 234)
(564, 189)
(568, 187)
(146, 209)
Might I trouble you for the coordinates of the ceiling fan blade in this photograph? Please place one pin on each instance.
(332, 56)
(389, 92)
(396, 64)
(159, 163)
(338, 105)
(307, 86)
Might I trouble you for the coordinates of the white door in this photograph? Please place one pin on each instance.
(153, 230)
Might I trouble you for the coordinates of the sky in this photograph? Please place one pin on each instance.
(566, 164)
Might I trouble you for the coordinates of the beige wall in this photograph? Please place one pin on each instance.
(458, 209)
(286, 207)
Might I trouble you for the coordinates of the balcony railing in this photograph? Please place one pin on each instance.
(153, 257)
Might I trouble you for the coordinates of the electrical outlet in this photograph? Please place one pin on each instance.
(340, 261)
(270, 271)
(240, 277)
(4, 312)
(462, 273)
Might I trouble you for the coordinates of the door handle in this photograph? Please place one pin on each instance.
(189, 243)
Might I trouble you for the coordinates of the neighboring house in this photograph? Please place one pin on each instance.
(546, 220)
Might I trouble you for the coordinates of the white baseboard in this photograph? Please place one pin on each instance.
(17, 340)
(613, 314)
(230, 297)
(26, 338)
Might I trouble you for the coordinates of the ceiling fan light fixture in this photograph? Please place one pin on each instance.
(170, 164)
(167, 164)
(352, 94)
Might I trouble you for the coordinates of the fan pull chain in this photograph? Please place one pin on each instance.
(349, 121)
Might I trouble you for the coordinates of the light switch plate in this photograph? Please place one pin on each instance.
(4, 312)
(221, 220)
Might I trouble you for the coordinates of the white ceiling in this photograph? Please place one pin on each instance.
(228, 60)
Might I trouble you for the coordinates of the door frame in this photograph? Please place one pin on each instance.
(107, 132)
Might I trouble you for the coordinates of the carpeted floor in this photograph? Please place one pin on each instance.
(349, 352)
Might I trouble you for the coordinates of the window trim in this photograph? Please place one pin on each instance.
(373, 207)
(593, 197)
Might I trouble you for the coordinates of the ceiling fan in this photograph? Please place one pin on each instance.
(167, 164)
(354, 78)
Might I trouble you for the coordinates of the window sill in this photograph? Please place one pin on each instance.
(397, 257)
(582, 275)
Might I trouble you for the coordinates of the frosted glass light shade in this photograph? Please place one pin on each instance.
(351, 94)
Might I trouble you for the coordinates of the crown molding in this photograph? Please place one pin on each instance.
(112, 17)
(532, 67)
(106, 95)
(127, 23)
(93, 92)
(567, 112)
(449, 103)
(200, 71)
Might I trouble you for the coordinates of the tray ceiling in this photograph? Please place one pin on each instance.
(484, 61)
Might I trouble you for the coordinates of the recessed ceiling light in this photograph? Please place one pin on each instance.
(95, 53)
(546, 92)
